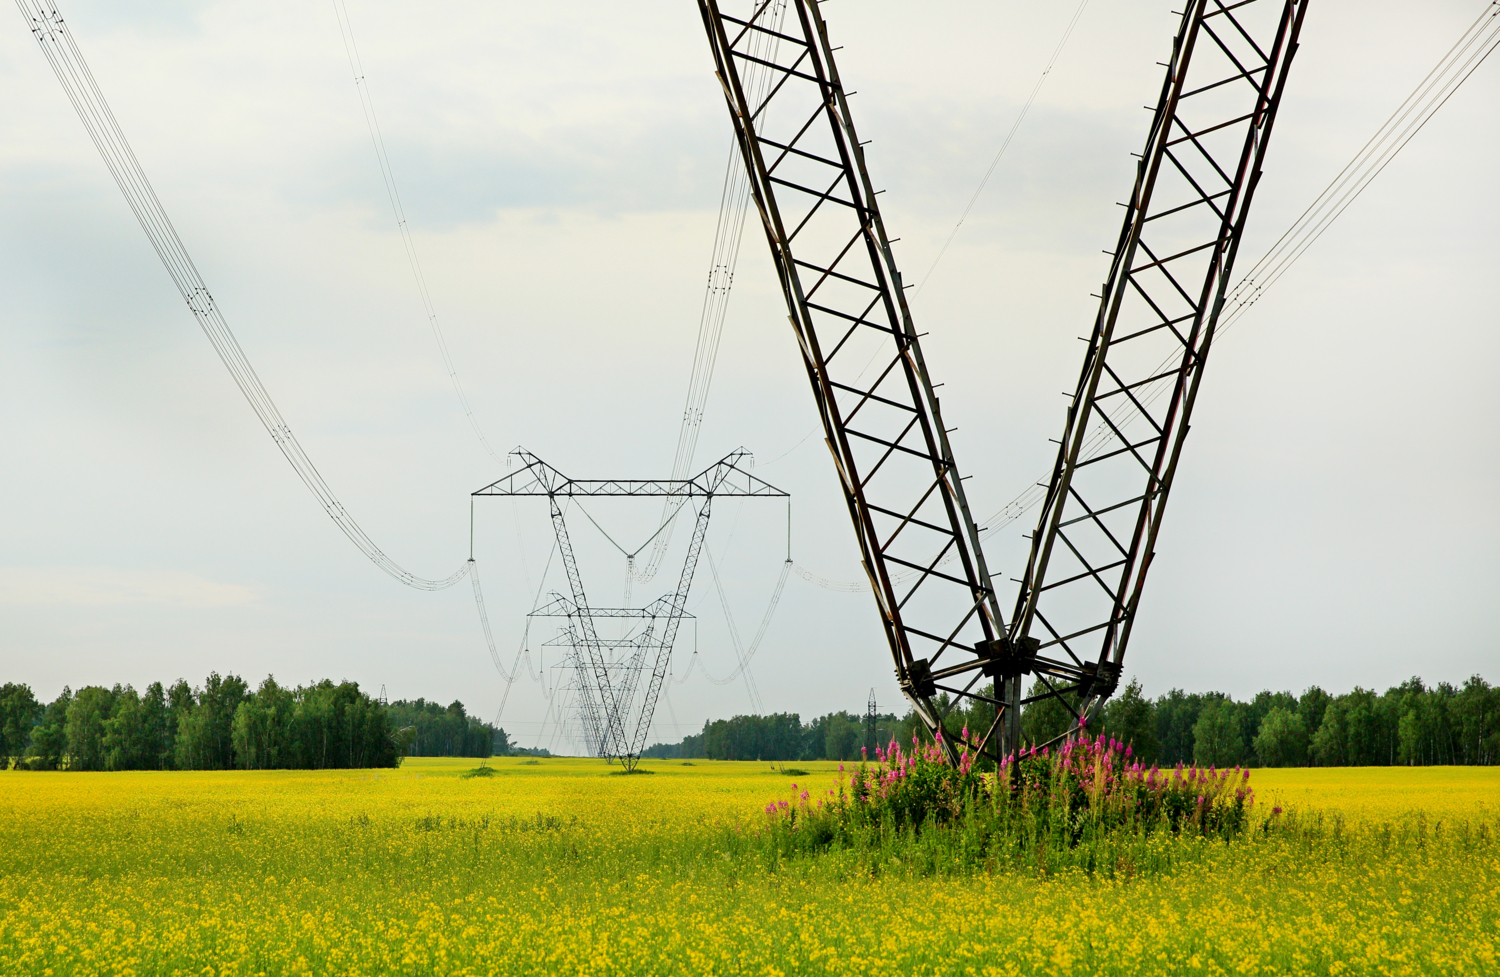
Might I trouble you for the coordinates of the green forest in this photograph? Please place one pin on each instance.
(1408, 724)
(223, 725)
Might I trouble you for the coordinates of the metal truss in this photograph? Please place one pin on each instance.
(624, 674)
(1129, 415)
(863, 357)
(726, 477)
(600, 696)
(884, 427)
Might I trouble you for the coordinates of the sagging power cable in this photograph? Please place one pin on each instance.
(1476, 44)
(388, 176)
(1005, 144)
(67, 62)
(734, 204)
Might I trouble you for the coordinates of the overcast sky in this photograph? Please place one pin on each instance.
(1333, 520)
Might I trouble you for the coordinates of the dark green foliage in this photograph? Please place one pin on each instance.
(836, 736)
(49, 738)
(157, 731)
(438, 731)
(1310, 708)
(220, 726)
(1046, 719)
(1176, 715)
(126, 739)
(85, 725)
(1409, 724)
(774, 737)
(783, 737)
(205, 736)
(1218, 740)
(19, 711)
(1282, 739)
(1130, 718)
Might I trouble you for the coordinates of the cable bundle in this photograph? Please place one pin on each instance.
(78, 82)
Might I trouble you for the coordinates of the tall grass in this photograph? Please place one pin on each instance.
(1085, 806)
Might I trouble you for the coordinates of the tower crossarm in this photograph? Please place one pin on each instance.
(1129, 413)
(862, 353)
(727, 478)
(560, 606)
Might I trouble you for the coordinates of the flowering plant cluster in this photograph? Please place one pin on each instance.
(1094, 782)
(1087, 790)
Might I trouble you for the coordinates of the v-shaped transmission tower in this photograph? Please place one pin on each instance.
(607, 686)
(625, 658)
(1129, 413)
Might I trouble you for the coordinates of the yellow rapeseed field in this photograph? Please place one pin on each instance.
(559, 867)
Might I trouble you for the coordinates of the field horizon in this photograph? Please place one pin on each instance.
(560, 866)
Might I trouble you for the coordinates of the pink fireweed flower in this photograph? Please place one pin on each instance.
(804, 797)
(1128, 752)
(841, 766)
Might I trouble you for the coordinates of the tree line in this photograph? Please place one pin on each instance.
(223, 725)
(1408, 724)
(783, 736)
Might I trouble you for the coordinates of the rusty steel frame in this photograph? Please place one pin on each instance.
(1129, 415)
(845, 299)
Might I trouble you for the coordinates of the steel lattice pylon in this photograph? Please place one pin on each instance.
(607, 706)
(918, 542)
(1129, 414)
(624, 672)
(863, 356)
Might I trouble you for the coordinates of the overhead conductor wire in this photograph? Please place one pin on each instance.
(388, 176)
(67, 62)
(1476, 44)
(734, 203)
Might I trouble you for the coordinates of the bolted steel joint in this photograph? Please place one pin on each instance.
(1100, 679)
(918, 681)
(1007, 657)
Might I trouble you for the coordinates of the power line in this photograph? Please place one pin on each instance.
(388, 176)
(104, 130)
(1476, 44)
(1005, 144)
(734, 204)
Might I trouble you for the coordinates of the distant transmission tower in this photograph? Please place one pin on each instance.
(607, 672)
(872, 734)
